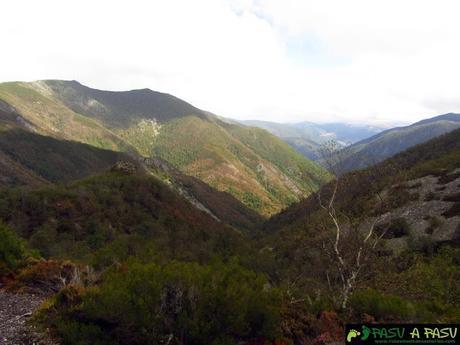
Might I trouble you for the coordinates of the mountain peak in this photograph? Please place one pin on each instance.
(120, 109)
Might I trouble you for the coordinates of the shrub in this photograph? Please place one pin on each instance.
(399, 197)
(398, 227)
(434, 223)
(423, 244)
(49, 276)
(12, 249)
(181, 302)
(382, 307)
(431, 283)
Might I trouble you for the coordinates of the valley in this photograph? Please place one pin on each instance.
(138, 218)
(257, 168)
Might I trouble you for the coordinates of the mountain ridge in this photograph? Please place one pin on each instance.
(307, 137)
(154, 124)
(394, 140)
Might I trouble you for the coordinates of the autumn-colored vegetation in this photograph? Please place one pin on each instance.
(133, 262)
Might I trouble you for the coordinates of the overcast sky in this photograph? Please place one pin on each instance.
(384, 61)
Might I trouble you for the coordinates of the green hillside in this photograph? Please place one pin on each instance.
(409, 265)
(157, 261)
(388, 143)
(436, 157)
(34, 160)
(120, 109)
(254, 166)
(106, 218)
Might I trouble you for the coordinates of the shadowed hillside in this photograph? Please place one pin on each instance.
(390, 142)
(254, 166)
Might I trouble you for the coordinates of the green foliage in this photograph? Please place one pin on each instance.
(127, 222)
(77, 333)
(186, 303)
(429, 282)
(12, 249)
(55, 160)
(47, 115)
(151, 123)
(383, 307)
(398, 227)
(228, 158)
(434, 223)
(113, 216)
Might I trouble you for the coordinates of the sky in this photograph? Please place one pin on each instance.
(378, 62)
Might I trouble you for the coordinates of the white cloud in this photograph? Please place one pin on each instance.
(386, 60)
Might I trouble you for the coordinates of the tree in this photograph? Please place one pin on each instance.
(355, 237)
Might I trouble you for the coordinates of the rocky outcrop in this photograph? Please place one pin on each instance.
(428, 214)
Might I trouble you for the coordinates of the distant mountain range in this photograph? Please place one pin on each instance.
(377, 148)
(307, 137)
(144, 218)
(262, 164)
(254, 166)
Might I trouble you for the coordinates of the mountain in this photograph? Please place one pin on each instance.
(34, 160)
(120, 109)
(127, 260)
(307, 137)
(409, 170)
(108, 217)
(254, 166)
(399, 222)
(134, 250)
(343, 133)
(388, 143)
(221, 206)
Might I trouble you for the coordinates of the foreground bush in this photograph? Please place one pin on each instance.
(12, 249)
(382, 307)
(179, 303)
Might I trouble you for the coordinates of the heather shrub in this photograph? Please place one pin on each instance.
(179, 303)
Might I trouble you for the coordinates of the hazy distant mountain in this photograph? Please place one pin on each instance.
(251, 164)
(306, 137)
(390, 142)
(427, 187)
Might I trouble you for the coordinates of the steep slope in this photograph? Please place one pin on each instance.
(221, 206)
(120, 109)
(107, 218)
(408, 260)
(238, 160)
(307, 137)
(29, 159)
(13, 173)
(155, 124)
(419, 177)
(34, 106)
(388, 143)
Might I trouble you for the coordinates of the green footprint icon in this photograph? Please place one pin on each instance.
(366, 332)
(353, 333)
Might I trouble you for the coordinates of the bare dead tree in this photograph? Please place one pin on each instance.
(349, 259)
